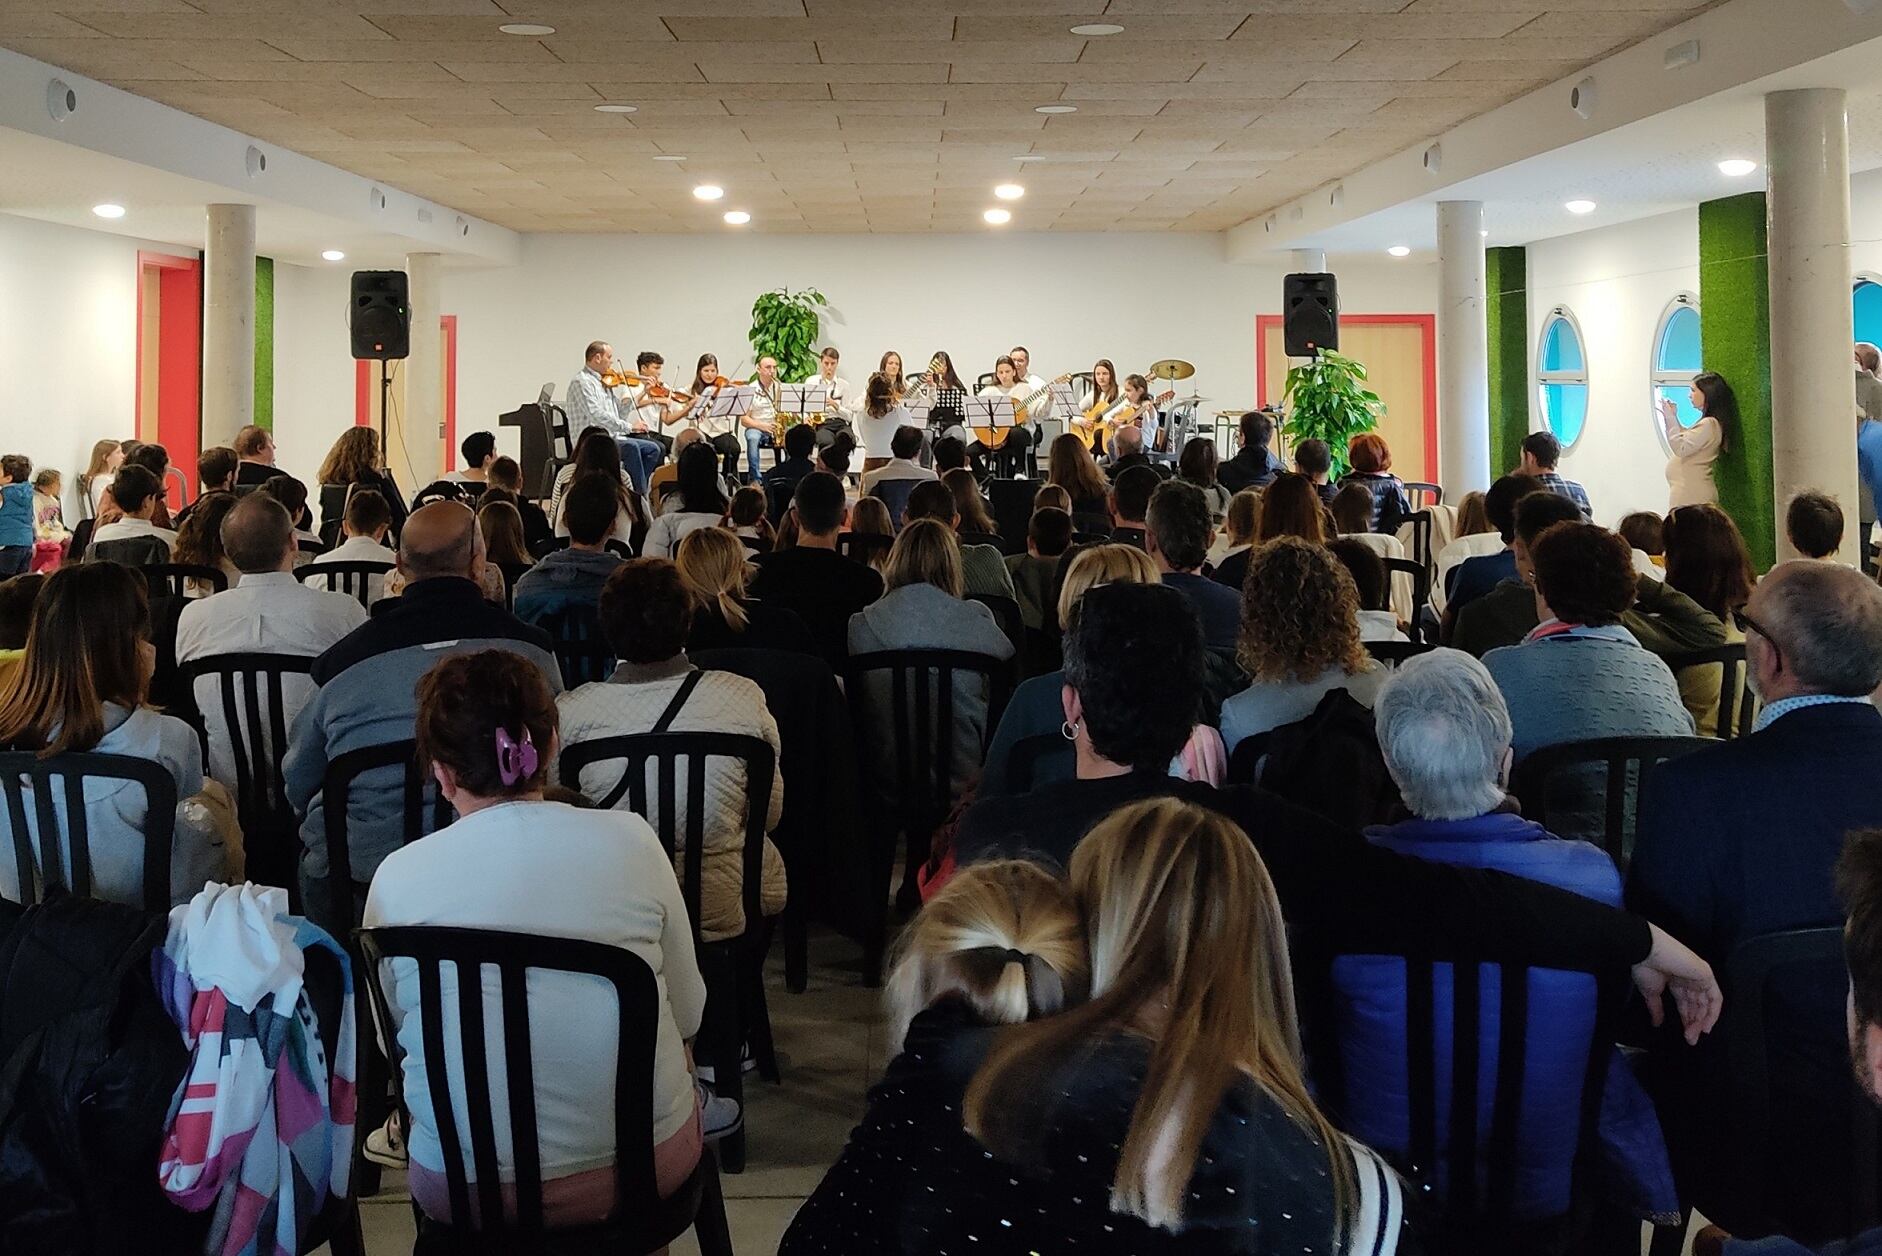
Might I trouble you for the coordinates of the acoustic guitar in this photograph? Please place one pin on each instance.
(1095, 426)
(994, 437)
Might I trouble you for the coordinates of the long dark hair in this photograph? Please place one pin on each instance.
(948, 378)
(1706, 558)
(1107, 395)
(595, 450)
(1721, 401)
(82, 651)
(699, 381)
(698, 481)
(899, 384)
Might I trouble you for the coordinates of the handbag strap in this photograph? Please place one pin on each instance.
(679, 700)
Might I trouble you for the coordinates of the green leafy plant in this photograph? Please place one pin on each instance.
(784, 326)
(1327, 399)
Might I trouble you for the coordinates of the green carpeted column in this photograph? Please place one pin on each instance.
(264, 342)
(1735, 337)
(1507, 308)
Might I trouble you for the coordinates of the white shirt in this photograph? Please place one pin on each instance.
(897, 469)
(591, 403)
(269, 612)
(875, 435)
(664, 537)
(842, 396)
(357, 549)
(709, 427)
(126, 528)
(1040, 407)
(1379, 626)
(764, 406)
(649, 412)
(1476, 545)
(551, 869)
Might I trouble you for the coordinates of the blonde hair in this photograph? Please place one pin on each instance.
(1052, 495)
(1243, 514)
(353, 457)
(1472, 516)
(100, 458)
(1004, 936)
(1102, 564)
(1188, 949)
(712, 563)
(926, 553)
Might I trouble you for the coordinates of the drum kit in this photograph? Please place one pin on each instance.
(1185, 413)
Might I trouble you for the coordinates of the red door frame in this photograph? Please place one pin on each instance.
(365, 386)
(179, 358)
(1428, 326)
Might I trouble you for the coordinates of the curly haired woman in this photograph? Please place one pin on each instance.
(1299, 640)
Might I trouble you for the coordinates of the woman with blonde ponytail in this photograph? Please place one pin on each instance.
(714, 564)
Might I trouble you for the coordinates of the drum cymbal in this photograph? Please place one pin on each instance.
(1171, 368)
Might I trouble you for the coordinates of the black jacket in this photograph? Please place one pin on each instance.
(1252, 467)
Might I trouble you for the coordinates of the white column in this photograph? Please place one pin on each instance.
(228, 324)
(1463, 351)
(1307, 261)
(1813, 391)
(423, 426)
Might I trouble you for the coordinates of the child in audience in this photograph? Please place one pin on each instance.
(1376, 620)
(106, 457)
(49, 512)
(1052, 495)
(748, 516)
(1035, 573)
(1645, 532)
(292, 493)
(1814, 524)
(869, 517)
(16, 515)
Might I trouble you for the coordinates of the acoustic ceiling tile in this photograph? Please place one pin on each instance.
(789, 72)
(326, 46)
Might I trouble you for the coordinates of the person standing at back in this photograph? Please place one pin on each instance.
(17, 534)
(1689, 471)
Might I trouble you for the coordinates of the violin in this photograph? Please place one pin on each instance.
(616, 378)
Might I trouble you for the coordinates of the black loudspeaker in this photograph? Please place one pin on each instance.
(1310, 314)
(380, 315)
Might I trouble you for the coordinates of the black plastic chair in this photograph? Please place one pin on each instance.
(314, 548)
(734, 969)
(1738, 705)
(640, 1220)
(919, 792)
(1420, 521)
(1010, 502)
(1420, 575)
(1423, 496)
(28, 779)
(1626, 761)
(862, 545)
(352, 577)
(1392, 653)
(581, 650)
(257, 741)
(172, 579)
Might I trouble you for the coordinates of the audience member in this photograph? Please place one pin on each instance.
(1580, 674)
(1254, 464)
(698, 500)
(486, 729)
(255, 454)
(81, 688)
(593, 457)
(1467, 578)
(106, 457)
(746, 518)
(713, 564)
(1131, 488)
(1376, 620)
(1054, 497)
(1034, 573)
(810, 578)
(365, 526)
(1127, 451)
(366, 683)
(1477, 535)
(506, 475)
(1290, 507)
(1473, 516)
(1491, 603)
(835, 456)
(922, 608)
(574, 576)
(798, 461)
(1197, 465)
(354, 464)
(970, 508)
(292, 494)
(950, 454)
(17, 597)
(1070, 466)
(1239, 525)
(132, 539)
(215, 473)
(904, 449)
(1314, 459)
(1299, 640)
(1542, 452)
(155, 459)
(1371, 460)
(199, 544)
(1646, 532)
(646, 612)
(868, 517)
(1351, 509)
(983, 567)
(1178, 539)
(1708, 562)
(479, 450)
(267, 612)
(664, 476)
(502, 527)
(17, 534)
(49, 516)
(1813, 522)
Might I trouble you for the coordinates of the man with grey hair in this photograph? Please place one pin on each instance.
(1444, 731)
(1741, 840)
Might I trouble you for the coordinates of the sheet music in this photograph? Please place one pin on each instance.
(917, 414)
(994, 412)
(1061, 398)
(803, 399)
(732, 403)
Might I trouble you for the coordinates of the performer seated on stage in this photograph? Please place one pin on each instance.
(1094, 406)
(945, 395)
(841, 409)
(591, 403)
(716, 431)
(760, 423)
(655, 405)
(1014, 447)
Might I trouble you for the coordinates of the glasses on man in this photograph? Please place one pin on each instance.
(1752, 625)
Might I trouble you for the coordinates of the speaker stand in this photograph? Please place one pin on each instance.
(385, 420)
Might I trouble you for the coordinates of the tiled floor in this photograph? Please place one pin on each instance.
(830, 1041)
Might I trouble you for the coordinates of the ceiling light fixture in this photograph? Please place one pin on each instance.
(737, 217)
(617, 108)
(1055, 108)
(1580, 207)
(708, 192)
(1736, 167)
(530, 29)
(333, 255)
(1009, 191)
(669, 157)
(108, 210)
(998, 217)
(1098, 28)
(1400, 250)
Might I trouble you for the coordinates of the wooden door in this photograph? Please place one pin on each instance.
(1400, 355)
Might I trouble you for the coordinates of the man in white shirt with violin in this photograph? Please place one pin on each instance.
(593, 402)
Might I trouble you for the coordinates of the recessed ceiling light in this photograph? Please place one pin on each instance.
(1736, 167)
(1009, 191)
(1098, 28)
(708, 192)
(333, 255)
(1580, 207)
(737, 217)
(998, 217)
(526, 28)
(1055, 109)
(108, 210)
(669, 157)
(617, 108)
(1485, 233)
(1400, 250)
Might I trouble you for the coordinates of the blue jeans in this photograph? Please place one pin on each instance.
(639, 457)
(755, 440)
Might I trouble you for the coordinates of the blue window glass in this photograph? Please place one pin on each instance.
(1563, 378)
(1561, 348)
(1868, 310)
(1677, 358)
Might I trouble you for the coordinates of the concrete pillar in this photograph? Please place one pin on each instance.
(1813, 392)
(1463, 351)
(228, 324)
(421, 431)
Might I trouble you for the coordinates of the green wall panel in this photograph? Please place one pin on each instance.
(1735, 335)
(264, 342)
(1507, 307)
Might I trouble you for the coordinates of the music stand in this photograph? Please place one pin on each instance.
(731, 403)
(1060, 395)
(805, 401)
(995, 412)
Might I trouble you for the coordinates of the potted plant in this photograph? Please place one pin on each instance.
(1327, 399)
(784, 326)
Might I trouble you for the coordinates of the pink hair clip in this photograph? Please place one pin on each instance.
(515, 761)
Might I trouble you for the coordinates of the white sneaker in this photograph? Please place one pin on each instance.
(718, 1115)
(385, 1146)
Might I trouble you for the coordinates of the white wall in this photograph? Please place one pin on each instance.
(1618, 281)
(313, 365)
(68, 342)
